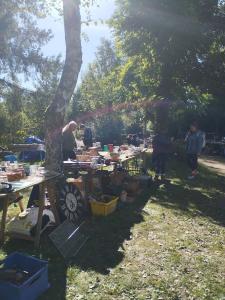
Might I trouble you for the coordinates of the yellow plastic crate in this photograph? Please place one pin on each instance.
(103, 209)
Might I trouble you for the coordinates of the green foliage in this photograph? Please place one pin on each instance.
(178, 47)
(22, 111)
(21, 39)
(109, 130)
(107, 82)
(176, 36)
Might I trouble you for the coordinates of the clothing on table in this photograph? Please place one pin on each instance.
(68, 145)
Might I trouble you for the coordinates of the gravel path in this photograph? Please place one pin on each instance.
(214, 163)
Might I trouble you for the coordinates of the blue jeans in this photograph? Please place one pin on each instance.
(192, 160)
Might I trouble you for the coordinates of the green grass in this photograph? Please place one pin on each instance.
(169, 244)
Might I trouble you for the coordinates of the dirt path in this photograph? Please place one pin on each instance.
(214, 163)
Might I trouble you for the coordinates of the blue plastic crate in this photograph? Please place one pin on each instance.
(34, 286)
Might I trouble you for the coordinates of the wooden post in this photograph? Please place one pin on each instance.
(40, 214)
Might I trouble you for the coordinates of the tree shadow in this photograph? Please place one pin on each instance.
(104, 250)
(204, 196)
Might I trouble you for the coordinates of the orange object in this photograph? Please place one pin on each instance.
(93, 151)
(13, 176)
(83, 157)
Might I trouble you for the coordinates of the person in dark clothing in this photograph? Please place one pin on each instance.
(88, 137)
(129, 139)
(194, 145)
(136, 142)
(161, 147)
(69, 142)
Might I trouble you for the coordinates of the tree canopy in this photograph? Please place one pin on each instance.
(170, 50)
(21, 60)
(165, 65)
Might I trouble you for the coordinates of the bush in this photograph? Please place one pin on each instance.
(109, 130)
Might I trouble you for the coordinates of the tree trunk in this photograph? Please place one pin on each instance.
(55, 113)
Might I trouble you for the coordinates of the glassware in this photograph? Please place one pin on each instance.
(33, 170)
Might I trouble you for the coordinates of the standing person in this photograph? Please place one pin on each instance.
(129, 139)
(69, 142)
(136, 141)
(88, 137)
(161, 148)
(195, 141)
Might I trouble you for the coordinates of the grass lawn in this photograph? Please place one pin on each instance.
(170, 244)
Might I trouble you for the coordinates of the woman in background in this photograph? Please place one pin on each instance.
(69, 142)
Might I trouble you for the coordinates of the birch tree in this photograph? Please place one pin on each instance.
(56, 111)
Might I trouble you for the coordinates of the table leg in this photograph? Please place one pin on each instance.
(85, 179)
(40, 214)
(3, 220)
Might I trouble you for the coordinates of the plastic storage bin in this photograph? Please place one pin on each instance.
(34, 286)
(103, 209)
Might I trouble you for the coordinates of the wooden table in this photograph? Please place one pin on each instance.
(21, 185)
(130, 161)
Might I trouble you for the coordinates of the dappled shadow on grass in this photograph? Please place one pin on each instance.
(101, 252)
(104, 250)
(203, 196)
(56, 265)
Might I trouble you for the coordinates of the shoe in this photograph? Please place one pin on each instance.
(191, 177)
(195, 172)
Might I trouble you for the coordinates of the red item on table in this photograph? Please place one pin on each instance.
(111, 147)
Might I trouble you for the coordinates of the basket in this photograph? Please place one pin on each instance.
(103, 209)
(32, 287)
(78, 182)
(83, 157)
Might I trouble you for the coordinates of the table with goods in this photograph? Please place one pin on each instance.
(93, 183)
(99, 178)
(28, 224)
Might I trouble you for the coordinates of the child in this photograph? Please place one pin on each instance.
(161, 147)
(195, 140)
